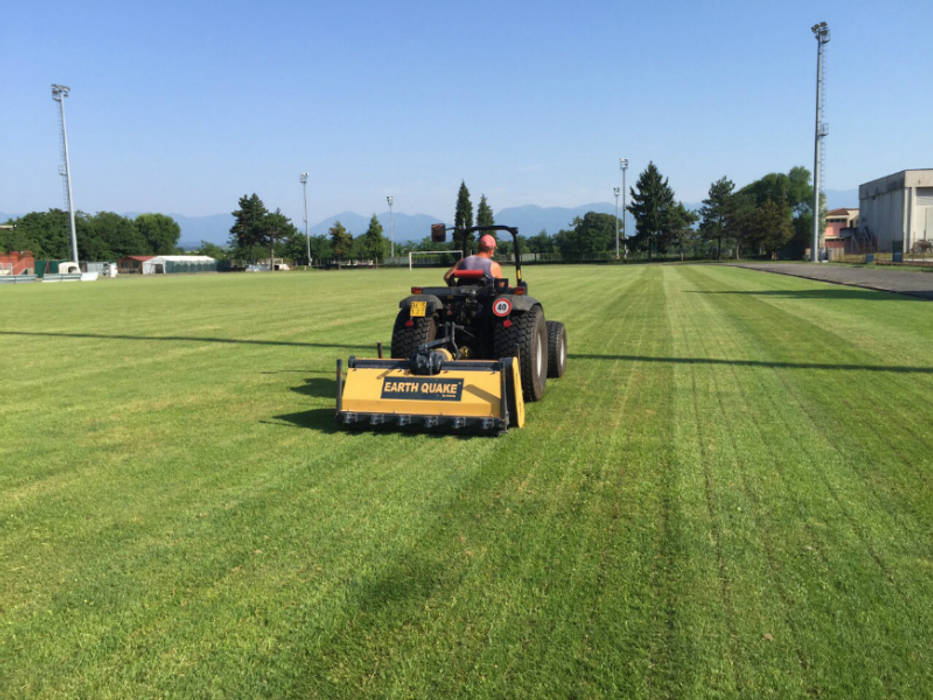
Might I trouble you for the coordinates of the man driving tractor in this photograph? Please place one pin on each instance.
(481, 261)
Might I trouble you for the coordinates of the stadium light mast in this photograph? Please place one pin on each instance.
(304, 183)
(615, 191)
(623, 165)
(391, 200)
(821, 34)
(59, 93)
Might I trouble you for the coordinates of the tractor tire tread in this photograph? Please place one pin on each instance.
(405, 340)
(522, 333)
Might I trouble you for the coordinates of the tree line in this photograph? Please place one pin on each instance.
(101, 236)
(770, 215)
(257, 230)
(766, 216)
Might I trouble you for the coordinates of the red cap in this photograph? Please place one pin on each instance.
(488, 242)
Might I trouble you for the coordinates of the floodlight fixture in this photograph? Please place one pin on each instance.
(303, 178)
(59, 93)
(390, 200)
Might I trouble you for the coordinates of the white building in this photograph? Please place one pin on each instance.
(896, 211)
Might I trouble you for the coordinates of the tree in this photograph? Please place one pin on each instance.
(46, 234)
(652, 206)
(717, 212)
(463, 217)
(247, 230)
(374, 245)
(682, 221)
(591, 237)
(484, 216)
(160, 232)
(793, 190)
(274, 227)
(341, 241)
(213, 250)
(321, 248)
(109, 236)
(775, 226)
(541, 243)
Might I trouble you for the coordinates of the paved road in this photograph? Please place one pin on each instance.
(914, 282)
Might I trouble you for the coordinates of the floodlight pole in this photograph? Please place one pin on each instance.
(615, 191)
(390, 199)
(59, 93)
(821, 34)
(304, 182)
(623, 165)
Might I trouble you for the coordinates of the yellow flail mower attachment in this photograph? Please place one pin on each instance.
(431, 391)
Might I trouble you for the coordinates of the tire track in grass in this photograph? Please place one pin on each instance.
(566, 482)
(872, 395)
(744, 468)
(572, 501)
(692, 333)
(815, 466)
(875, 398)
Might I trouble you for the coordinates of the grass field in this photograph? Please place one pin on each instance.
(728, 494)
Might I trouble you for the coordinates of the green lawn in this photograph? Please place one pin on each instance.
(728, 494)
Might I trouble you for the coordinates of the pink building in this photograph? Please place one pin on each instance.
(22, 261)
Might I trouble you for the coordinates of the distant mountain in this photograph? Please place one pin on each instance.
(532, 219)
(408, 227)
(194, 229)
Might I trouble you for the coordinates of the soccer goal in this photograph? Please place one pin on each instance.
(411, 255)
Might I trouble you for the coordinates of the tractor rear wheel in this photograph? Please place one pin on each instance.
(556, 349)
(528, 333)
(406, 339)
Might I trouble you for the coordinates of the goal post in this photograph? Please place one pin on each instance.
(432, 252)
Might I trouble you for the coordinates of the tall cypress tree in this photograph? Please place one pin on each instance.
(463, 217)
(484, 216)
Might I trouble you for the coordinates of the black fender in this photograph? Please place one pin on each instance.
(520, 302)
(434, 302)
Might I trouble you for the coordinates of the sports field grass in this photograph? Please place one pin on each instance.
(728, 494)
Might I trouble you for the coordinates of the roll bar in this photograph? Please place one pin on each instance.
(439, 235)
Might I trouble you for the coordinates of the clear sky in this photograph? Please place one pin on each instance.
(181, 107)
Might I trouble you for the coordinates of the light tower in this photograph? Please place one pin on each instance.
(623, 165)
(821, 33)
(304, 183)
(615, 191)
(59, 93)
(390, 199)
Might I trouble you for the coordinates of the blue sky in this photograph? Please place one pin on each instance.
(184, 106)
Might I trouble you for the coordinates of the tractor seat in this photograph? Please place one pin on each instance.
(469, 277)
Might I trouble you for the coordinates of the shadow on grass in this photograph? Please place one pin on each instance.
(753, 363)
(318, 387)
(191, 339)
(320, 419)
(831, 294)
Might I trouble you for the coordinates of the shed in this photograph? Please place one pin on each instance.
(168, 264)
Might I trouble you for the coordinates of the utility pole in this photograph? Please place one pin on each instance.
(304, 182)
(390, 199)
(821, 33)
(623, 164)
(59, 93)
(615, 191)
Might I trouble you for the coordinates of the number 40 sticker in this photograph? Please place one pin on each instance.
(502, 307)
